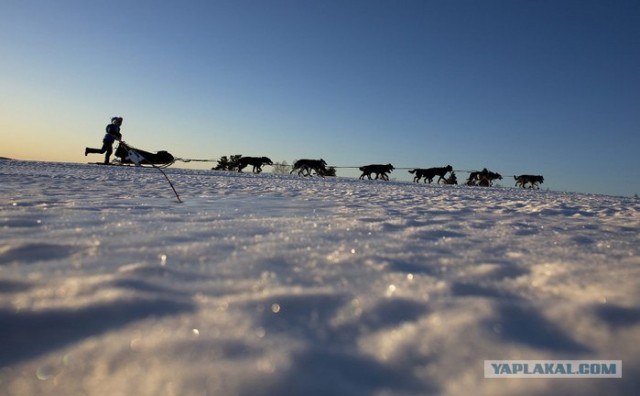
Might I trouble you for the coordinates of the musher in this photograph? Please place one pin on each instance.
(113, 134)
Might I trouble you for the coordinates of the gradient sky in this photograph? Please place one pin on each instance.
(538, 87)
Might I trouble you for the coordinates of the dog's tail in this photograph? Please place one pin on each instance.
(412, 171)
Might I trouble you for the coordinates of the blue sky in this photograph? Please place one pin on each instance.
(538, 87)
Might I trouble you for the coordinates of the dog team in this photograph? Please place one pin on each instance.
(484, 178)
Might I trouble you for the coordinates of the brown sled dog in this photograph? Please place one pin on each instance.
(430, 173)
(308, 165)
(533, 180)
(256, 162)
(380, 171)
(483, 178)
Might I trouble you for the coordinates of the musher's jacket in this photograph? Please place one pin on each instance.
(113, 133)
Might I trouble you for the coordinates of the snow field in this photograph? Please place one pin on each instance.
(265, 284)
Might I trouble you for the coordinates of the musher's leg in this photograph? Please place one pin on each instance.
(107, 148)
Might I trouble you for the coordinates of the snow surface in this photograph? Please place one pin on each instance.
(283, 285)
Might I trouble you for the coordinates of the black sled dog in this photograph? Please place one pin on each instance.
(533, 180)
(256, 162)
(308, 165)
(381, 171)
(430, 173)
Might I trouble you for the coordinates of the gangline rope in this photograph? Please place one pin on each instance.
(187, 160)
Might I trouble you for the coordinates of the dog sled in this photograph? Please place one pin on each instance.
(127, 155)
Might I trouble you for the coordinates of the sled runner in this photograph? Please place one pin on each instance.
(101, 163)
(126, 154)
